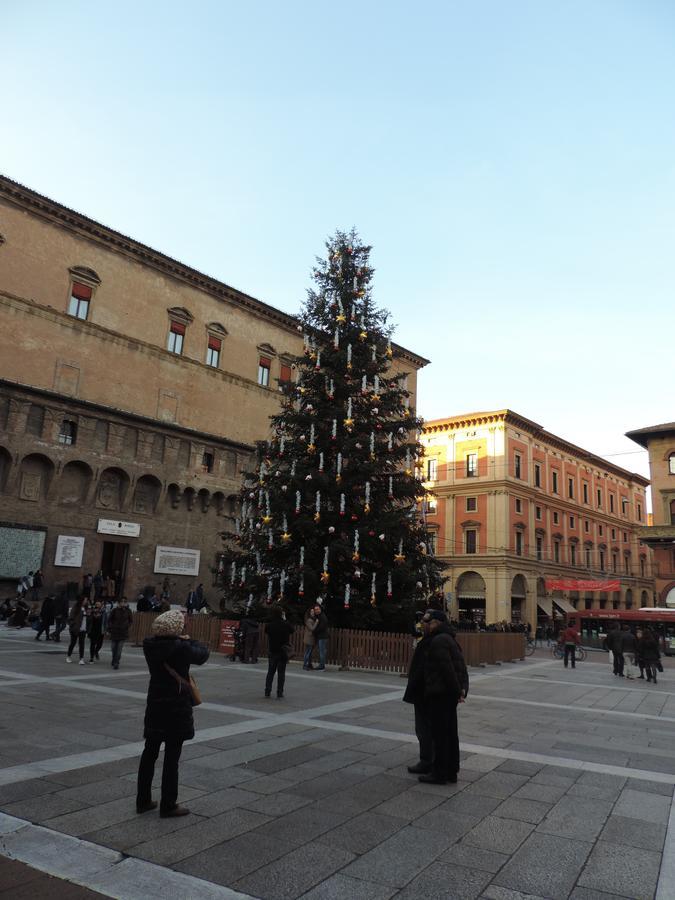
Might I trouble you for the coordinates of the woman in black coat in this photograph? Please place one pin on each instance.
(168, 713)
(648, 651)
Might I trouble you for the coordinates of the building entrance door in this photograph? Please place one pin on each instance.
(114, 564)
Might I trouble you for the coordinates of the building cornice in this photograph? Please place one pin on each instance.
(509, 417)
(49, 210)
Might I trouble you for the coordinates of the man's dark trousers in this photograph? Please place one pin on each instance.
(440, 713)
(618, 663)
(424, 734)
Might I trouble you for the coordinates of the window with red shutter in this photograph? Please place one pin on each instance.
(264, 366)
(176, 336)
(80, 297)
(285, 373)
(213, 352)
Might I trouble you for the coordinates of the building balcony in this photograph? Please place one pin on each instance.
(656, 535)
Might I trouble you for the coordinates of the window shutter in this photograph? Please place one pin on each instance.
(81, 291)
(265, 362)
(285, 373)
(214, 343)
(177, 328)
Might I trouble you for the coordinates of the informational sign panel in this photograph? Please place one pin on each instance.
(69, 551)
(575, 584)
(227, 630)
(114, 526)
(21, 550)
(177, 561)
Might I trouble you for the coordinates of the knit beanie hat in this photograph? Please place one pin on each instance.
(169, 623)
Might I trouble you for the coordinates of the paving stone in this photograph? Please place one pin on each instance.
(556, 776)
(520, 767)
(544, 793)
(295, 873)
(442, 880)
(227, 862)
(302, 825)
(39, 809)
(494, 892)
(634, 833)
(645, 806)
(497, 784)
(268, 784)
(545, 866)
(650, 787)
(279, 804)
(399, 859)
(93, 818)
(502, 835)
(341, 887)
(327, 784)
(465, 804)
(580, 893)
(278, 761)
(360, 834)
(523, 810)
(622, 870)
(409, 805)
(171, 848)
(481, 763)
(134, 831)
(211, 804)
(576, 818)
(25, 790)
(463, 854)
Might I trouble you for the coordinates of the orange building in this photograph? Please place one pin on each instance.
(530, 525)
(659, 533)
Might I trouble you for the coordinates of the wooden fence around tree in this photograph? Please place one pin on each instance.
(355, 649)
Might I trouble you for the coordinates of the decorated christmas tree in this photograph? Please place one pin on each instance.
(332, 509)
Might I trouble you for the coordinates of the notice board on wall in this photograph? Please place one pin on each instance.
(21, 550)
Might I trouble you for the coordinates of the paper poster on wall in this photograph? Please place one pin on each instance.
(177, 561)
(69, 551)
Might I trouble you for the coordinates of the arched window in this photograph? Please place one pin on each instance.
(179, 319)
(68, 432)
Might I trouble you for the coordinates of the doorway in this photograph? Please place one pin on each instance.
(114, 565)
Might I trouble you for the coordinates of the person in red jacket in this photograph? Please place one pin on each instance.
(570, 640)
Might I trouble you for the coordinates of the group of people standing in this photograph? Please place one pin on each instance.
(629, 651)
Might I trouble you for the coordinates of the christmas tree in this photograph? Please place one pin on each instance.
(332, 508)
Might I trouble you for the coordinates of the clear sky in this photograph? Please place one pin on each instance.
(512, 163)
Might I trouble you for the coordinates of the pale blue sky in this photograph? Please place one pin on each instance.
(513, 164)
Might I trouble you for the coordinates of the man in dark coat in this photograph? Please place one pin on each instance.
(250, 631)
(414, 693)
(442, 693)
(46, 617)
(279, 633)
(321, 635)
(168, 714)
(119, 623)
(613, 642)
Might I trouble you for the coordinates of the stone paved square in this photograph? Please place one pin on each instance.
(310, 797)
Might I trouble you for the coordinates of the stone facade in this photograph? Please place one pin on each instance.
(516, 508)
(131, 387)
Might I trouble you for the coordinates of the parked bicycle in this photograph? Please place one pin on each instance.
(558, 651)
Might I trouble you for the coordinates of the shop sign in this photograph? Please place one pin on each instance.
(114, 526)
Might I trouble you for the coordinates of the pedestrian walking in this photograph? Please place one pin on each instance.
(639, 661)
(613, 643)
(169, 720)
(60, 615)
(648, 650)
(279, 633)
(119, 623)
(570, 640)
(95, 631)
(46, 617)
(77, 623)
(98, 583)
(442, 693)
(321, 635)
(309, 638)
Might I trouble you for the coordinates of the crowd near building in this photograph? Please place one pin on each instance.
(132, 391)
(659, 534)
(532, 527)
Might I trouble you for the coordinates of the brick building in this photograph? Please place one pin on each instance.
(132, 390)
(659, 534)
(530, 525)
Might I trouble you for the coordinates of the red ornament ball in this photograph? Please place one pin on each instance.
(355, 518)
(371, 534)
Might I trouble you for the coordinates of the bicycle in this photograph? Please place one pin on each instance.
(529, 646)
(558, 651)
